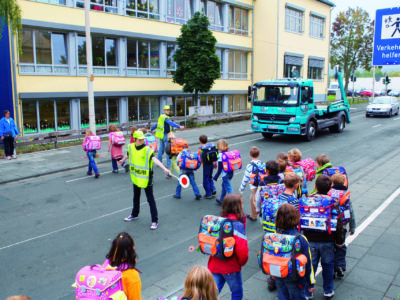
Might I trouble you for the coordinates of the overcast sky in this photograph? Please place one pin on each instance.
(369, 5)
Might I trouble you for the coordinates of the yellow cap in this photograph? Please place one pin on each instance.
(138, 135)
(167, 107)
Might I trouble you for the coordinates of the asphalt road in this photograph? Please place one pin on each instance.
(53, 225)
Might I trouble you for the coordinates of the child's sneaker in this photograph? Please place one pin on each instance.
(329, 295)
(339, 273)
(126, 168)
(311, 296)
(214, 192)
(154, 225)
(218, 202)
(176, 197)
(198, 197)
(97, 175)
(271, 284)
(89, 173)
(115, 171)
(208, 196)
(131, 218)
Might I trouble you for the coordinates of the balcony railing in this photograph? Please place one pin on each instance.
(26, 68)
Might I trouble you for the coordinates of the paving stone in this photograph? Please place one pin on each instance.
(374, 230)
(396, 280)
(393, 292)
(380, 264)
(173, 282)
(348, 291)
(151, 291)
(255, 289)
(356, 251)
(364, 240)
(372, 279)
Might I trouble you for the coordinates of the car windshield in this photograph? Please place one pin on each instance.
(276, 96)
(381, 101)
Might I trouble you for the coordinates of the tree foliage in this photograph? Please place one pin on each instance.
(10, 15)
(352, 41)
(197, 63)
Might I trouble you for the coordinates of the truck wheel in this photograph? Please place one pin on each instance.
(311, 130)
(267, 135)
(390, 114)
(339, 127)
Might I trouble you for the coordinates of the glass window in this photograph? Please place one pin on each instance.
(155, 107)
(82, 50)
(203, 101)
(317, 27)
(132, 109)
(180, 106)
(47, 119)
(43, 47)
(63, 116)
(144, 108)
(98, 51)
(236, 103)
(143, 57)
(131, 53)
(143, 54)
(179, 11)
(314, 73)
(293, 20)
(27, 46)
(59, 47)
(110, 52)
(84, 113)
(238, 20)
(218, 105)
(171, 64)
(100, 111)
(292, 71)
(29, 115)
(213, 11)
(113, 111)
(154, 55)
(237, 65)
(189, 103)
(230, 103)
(143, 9)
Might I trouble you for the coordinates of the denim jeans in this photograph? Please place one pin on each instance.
(208, 182)
(150, 199)
(289, 289)
(192, 182)
(8, 146)
(114, 162)
(161, 149)
(92, 164)
(234, 281)
(226, 187)
(324, 251)
(340, 257)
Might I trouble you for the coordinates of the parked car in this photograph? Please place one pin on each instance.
(349, 92)
(394, 93)
(366, 93)
(383, 106)
(357, 92)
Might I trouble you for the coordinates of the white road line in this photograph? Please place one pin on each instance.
(377, 125)
(246, 141)
(396, 119)
(86, 177)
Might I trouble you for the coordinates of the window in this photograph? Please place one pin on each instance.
(179, 11)
(171, 64)
(237, 65)
(143, 108)
(47, 118)
(43, 52)
(213, 10)
(293, 66)
(63, 116)
(237, 103)
(110, 6)
(315, 68)
(293, 20)
(154, 107)
(29, 115)
(100, 111)
(132, 109)
(218, 105)
(103, 117)
(238, 20)
(112, 111)
(147, 9)
(317, 25)
(143, 58)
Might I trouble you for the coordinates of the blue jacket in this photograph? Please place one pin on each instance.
(7, 127)
(167, 126)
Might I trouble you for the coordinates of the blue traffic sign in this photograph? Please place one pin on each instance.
(387, 37)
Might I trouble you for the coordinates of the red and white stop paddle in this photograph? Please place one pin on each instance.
(183, 180)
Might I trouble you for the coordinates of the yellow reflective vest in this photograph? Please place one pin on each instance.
(160, 126)
(140, 164)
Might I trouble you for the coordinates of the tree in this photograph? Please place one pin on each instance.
(198, 64)
(10, 15)
(352, 41)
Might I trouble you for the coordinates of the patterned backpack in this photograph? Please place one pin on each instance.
(189, 161)
(231, 160)
(318, 213)
(343, 198)
(177, 145)
(209, 153)
(309, 168)
(117, 138)
(258, 173)
(151, 141)
(92, 142)
(336, 170)
(281, 256)
(97, 282)
(270, 204)
(216, 236)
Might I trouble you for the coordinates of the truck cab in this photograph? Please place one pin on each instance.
(287, 107)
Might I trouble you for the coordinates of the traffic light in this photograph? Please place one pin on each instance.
(387, 79)
(353, 78)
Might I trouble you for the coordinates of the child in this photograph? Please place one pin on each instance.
(116, 150)
(190, 174)
(122, 256)
(322, 244)
(253, 167)
(294, 155)
(339, 188)
(291, 182)
(272, 169)
(132, 130)
(91, 154)
(173, 157)
(208, 167)
(322, 162)
(222, 146)
(287, 222)
(229, 270)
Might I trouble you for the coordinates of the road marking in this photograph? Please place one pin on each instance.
(86, 177)
(246, 141)
(377, 125)
(396, 119)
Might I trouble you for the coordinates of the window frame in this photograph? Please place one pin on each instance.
(232, 74)
(213, 26)
(135, 12)
(318, 23)
(232, 19)
(176, 20)
(290, 16)
(143, 72)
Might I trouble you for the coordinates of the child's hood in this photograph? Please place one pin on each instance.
(325, 166)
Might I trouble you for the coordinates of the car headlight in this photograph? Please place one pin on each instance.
(255, 118)
(292, 119)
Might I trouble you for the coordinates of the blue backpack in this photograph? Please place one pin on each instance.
(270, 204)
(189, 161)
(257, 174)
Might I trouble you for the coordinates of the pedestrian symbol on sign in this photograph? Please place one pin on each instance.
(389, 22)
(397, 23)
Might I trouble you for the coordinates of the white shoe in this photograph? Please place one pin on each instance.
(14, 157)
(329, 295)
(154, 226)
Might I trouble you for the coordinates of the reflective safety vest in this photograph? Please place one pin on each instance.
(160, 126)
(140, 165)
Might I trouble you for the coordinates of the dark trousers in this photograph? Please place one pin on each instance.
(150, 199)
(208, 182)
(8, 146)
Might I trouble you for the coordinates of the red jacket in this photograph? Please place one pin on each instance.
(239, 259)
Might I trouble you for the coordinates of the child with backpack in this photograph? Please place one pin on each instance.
(172, 156)
(322, 242)
(188, 169)
(287, 222)
(307, 164)
(122, 257)
(226, 187)
(132, 129)
(209, 156)
(116, 140)
(291, 182)
(252, 174)
(229, 270)
(90, 144)
(339, 191)
(325, 167)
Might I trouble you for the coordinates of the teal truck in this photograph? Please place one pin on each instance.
(287, 107)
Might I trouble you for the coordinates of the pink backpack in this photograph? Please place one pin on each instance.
(97, 283)
(92, 142)
(117, 138)
(309, 168)
(231, 160)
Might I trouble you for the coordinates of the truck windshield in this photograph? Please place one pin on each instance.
(276, 96)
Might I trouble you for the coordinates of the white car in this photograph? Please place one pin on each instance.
(383, 106)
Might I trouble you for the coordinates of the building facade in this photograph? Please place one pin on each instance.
(133, 44)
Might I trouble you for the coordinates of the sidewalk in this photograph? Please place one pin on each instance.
(58, 160)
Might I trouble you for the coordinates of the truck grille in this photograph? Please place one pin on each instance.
(273, 117)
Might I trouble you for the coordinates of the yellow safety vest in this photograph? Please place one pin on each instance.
(160, 126)
(140, 165)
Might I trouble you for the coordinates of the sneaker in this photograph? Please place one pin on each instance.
(131, 218)
(218, 202)
(89, 173)
(14, 157)
(198, 197)
(339, 273)
(310, 296)
(329, 295)
(208, 196)
(154, 225)
(97, 175)
(271, 284)
(8, 157)
(250, 218)
(214, 192)
(176, 197)
(126, 168)
(115, 171)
